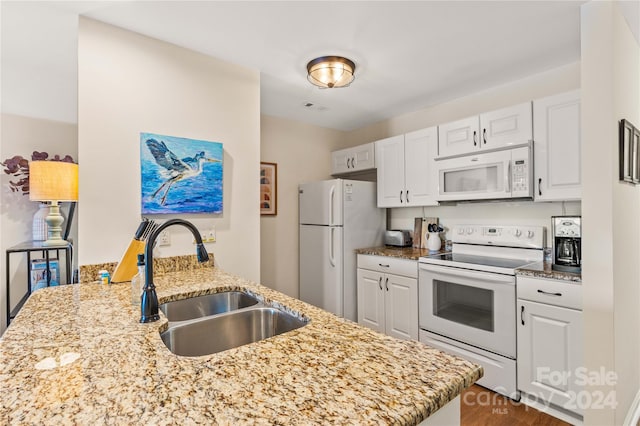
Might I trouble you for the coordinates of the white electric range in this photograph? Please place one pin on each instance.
(467, 298)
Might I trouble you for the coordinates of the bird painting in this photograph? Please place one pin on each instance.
(174, 181)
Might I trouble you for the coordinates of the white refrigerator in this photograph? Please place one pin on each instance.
(336, 217)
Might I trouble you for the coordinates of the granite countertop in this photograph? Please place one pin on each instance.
(400, 252)
(544, 270)
(77, 354)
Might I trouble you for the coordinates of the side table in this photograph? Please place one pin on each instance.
(36, 246)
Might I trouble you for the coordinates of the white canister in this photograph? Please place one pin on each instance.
(434, 243)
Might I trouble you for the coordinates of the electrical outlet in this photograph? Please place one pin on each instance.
(165, 238)
(208, 236)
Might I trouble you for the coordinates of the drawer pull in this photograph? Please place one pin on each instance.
(383, 266)
(386, 283)
(549, 294)
(380, 283)
(522, 314)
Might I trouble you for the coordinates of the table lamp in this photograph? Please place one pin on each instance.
(53, 181)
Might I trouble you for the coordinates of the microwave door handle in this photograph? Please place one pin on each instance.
(507, 178)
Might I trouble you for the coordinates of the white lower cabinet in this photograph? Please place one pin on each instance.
(388, 295)
(550, 342)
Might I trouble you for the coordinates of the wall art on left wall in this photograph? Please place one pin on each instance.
(180, 175)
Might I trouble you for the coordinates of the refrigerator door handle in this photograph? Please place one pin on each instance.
(332, 259)
(332, 193)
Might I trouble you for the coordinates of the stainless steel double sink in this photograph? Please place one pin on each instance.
(216, 322)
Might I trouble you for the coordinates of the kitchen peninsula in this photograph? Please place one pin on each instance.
(78, 354)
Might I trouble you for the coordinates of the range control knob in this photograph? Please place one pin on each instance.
(460, 231)
(469, 231)
(517, 232)
(529, 234)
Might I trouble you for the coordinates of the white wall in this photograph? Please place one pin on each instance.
(22, 136)
(611, 271)
(303, 154)
(128, 84)
(554, 81)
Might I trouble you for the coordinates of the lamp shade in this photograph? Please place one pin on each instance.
(331, 71)
(53, 181)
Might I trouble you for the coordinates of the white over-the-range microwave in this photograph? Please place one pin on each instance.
(500, 173)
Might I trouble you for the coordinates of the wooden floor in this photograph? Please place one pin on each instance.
(480, 407)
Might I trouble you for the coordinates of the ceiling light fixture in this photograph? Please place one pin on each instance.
(331, 71)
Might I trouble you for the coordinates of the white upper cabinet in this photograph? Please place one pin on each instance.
(390, 165)
(356, 159)
(495, 129)
(458, 137)
(556, 129)
(420, 174)
(406, 169)
(507, 126)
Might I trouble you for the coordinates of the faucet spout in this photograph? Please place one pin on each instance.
(149, 302)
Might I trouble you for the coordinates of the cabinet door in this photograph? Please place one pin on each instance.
(549, 352)
(390, 164)
(556, 121)
(339, 161)
(371, 299)
(507, 126)
(459, 137)
(362, 157)
(420, 175)
(401, 306)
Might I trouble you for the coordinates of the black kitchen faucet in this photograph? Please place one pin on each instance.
(149, 302)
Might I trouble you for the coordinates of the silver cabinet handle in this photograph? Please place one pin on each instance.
(484, 136)
(380, 283)
(401, 196)
(522, 314)
(383, 266)
(386, 283)
(548, 293)
(475, 142)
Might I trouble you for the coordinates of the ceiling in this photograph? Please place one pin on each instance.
(408, 55)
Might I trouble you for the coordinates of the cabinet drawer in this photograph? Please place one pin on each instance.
(551, 292)
(391, 265)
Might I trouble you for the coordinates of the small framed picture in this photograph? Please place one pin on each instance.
(629, 152)
(268, 188)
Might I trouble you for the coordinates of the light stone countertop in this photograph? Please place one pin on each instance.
(545, 270)
(409, 253)
(331, 371)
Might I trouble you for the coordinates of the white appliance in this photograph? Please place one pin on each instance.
(467, 298)
(494, 174)
(336, 217)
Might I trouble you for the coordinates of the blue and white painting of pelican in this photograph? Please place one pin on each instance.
(180, 175)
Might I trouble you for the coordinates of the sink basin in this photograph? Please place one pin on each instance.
(210, 304)
(222, 332)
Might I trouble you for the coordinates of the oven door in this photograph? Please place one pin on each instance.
(477, 308)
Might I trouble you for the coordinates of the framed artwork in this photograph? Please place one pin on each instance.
(180, 175)
(629, 152)
(268, 188)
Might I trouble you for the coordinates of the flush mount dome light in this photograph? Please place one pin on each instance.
(330, 71)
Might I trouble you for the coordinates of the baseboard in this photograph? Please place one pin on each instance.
(633, 415)
(552, 410)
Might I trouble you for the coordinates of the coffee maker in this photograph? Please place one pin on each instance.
(567, 248)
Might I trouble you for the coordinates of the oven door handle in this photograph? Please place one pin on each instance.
(468, 274)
